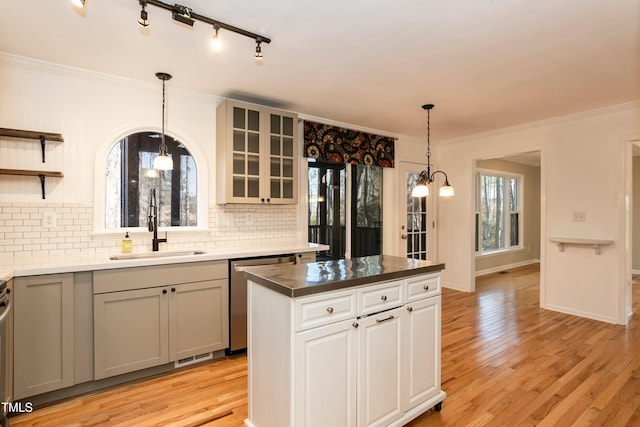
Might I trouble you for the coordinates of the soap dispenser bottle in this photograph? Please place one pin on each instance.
(127, 245)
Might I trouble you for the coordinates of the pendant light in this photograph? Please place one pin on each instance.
(163, 161)
(426, 176)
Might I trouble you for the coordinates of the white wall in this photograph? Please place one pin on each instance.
(92, 111)
(583, 169)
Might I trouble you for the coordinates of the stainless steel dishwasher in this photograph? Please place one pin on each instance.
(238, 296)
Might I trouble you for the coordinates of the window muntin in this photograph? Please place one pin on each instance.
(130, 177)
(498, 212)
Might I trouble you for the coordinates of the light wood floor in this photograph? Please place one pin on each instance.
(505, 362)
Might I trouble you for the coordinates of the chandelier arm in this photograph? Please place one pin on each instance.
(446, 178)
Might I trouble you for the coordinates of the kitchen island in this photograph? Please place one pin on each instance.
(344, 343)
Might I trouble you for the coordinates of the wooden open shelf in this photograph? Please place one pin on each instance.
(30, 134)
(42, 137)
(39, 174)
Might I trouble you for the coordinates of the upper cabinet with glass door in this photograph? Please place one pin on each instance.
(257, 154)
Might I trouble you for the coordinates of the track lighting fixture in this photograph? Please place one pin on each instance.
(162, 161)
(144, 18)
(426, 177)
(258, 56)
(187, 16)
(182, 14)
(78, 3)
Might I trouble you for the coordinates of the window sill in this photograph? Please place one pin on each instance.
(143, 231)
(498, 252)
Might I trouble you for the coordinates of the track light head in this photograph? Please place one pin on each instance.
(216, 42)
(258, 55)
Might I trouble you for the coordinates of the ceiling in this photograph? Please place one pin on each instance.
(485, 64)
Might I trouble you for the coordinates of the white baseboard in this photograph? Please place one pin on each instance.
(579, 313)
(506, 267)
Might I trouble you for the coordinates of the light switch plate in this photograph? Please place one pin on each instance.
(578, 216)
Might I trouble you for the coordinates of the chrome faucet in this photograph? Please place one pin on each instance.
(153, 221)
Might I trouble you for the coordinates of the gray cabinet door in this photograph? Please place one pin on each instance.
(199, 318)
(43, 334)
(130, 331)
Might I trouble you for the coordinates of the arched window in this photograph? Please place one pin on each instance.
(130, 177)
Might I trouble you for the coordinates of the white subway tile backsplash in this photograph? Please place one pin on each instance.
(22, 232)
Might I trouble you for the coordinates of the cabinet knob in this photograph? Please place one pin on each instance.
(329, 310)
(383, 297)
(173, 289)
(164, 291)
(425, 287)
(355, 325)
(409, 309)
(262, 200)
(268, 200)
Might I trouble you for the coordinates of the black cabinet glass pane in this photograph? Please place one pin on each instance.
(287, 126)
(254, 120)
(275, 124)
(238, 118)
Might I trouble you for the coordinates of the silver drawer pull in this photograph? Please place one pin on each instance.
(425, 287)
(329, 310)
(385, 319)
(383, 297)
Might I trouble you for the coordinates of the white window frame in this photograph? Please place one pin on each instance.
(507, 212)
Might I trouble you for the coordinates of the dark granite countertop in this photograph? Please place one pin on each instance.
(306, 279)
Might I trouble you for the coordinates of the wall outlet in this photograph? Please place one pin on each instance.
(578, 216)
(49, 220)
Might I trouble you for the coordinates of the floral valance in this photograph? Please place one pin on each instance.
(339, 145)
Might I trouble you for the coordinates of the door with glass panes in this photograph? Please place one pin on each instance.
(416, 222)
(334, 190)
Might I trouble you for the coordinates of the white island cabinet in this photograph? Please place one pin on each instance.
(344, 343)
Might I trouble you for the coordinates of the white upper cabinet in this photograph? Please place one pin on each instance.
(257, 154)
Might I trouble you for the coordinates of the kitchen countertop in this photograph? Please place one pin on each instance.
(31, 266)
(305, 279)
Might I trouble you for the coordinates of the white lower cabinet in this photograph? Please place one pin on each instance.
(380, 379)
(381, 369)
(422, 326)
(325, 369)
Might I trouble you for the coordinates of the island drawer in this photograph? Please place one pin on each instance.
(423, 287)
(380, 297)
(323, 309)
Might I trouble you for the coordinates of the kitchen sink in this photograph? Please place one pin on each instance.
(152, 255)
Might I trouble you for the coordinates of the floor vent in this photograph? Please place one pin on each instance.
(193, 359)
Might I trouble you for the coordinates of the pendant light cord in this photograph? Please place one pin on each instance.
(163, 147)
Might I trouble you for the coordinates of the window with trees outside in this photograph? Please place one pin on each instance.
(130, 177)
(498, 212)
